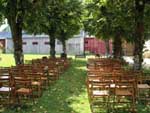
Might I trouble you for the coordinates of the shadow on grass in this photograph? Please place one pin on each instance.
(67, 95)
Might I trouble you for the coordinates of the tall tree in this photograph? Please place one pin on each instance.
(139, 34)
(146, 20)
(142, 30)
(15, 11)
(128, 19)
(47, 21)
(1, 18)
(108, 20)
(58, 19)
(71, 25)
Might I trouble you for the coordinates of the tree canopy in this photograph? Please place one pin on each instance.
(107, 20)
(16, 11)
(119, 19)
(61, 19)
(58, 19)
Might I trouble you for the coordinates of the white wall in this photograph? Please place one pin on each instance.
(40, 47)
(74, 45)
(9, 46)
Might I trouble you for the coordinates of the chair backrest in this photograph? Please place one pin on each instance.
(6, 81)
(4, 71)
(22, 82)
(99, 89)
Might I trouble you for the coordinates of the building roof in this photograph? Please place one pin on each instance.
(4, 35)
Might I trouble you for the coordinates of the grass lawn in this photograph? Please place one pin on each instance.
(8, 59)
(67, 95)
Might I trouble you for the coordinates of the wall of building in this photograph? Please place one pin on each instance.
(40, 45)
(75, 46)
(96, 46)
(8, 45)
(36, 45)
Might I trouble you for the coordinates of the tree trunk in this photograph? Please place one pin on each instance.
(18, 51)
(64, 54)
(16, 31)
(107, 47)
(15, 17)
(64, 46)
(139, 34)
(117, 47)
(52, 46)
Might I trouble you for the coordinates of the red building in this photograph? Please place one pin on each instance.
(96, 46)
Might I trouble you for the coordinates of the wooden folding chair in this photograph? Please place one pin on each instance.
(53, 74)
(23, 89)
(38, 71)
(36, 83)
(6, 89)
(99, 93)
(125, 95)
(143, 88)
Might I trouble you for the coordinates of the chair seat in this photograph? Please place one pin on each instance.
(143, 86)
(51, 74)
(44, 78)
(123, 92)
(5, 89)
(101, 93)
(4, 77)
(36, 83)
(94, 80)
(112, 85)
(6, 74)
(24, 91)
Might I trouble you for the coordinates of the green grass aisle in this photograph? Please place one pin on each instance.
(67, 95)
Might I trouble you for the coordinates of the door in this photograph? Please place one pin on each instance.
(2, 45)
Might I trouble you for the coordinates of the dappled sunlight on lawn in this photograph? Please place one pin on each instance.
(79, 99)
(81, 68)
(7, 60)
(67, 95)
(80, 103)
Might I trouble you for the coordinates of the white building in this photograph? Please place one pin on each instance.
(39, 44)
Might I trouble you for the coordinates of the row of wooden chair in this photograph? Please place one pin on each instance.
(28, 81)
(114, 87)
(110, 86)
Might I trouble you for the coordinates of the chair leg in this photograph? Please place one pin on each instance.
(18, 100)
(40, 92)
(91, 106)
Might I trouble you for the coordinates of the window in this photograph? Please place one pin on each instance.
(47, 43)
(24, 43)
(58, 42)
(35, 43)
